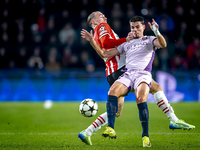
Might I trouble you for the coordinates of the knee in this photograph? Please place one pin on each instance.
(118, 90)
(158, 88)
(112, 92)
(155, 88)
(141, 99)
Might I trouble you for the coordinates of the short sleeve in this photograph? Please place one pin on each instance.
(104, 29)
(151, 40)
(120, 48)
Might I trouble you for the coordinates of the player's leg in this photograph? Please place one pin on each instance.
(120, 105)
(116, 90)
(85, 135)
(141, 94)
(162, 101)
(165, 106)
(111, 80)
(95, 126)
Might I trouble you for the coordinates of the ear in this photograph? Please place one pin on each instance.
(93, 21)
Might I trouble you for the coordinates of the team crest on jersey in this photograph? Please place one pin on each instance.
(102, 28)
(144, 38)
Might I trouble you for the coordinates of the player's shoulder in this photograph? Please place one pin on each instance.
(148, 36)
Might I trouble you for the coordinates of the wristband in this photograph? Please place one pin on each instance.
(155, 30)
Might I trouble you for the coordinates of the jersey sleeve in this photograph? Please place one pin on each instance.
(110, 43)
(106, 39)
(120, 48)
(151, 40)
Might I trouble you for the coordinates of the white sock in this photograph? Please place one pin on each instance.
(164, 105)
(97, 124)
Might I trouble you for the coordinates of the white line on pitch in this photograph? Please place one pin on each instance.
(77, 133)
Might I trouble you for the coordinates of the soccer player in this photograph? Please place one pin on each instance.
(106, 38)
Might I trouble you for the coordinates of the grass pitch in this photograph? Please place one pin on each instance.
(30, 126)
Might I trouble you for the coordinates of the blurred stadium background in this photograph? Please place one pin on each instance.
(42, 55)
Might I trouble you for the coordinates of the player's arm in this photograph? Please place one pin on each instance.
(102, 52)
(107, 41)
(110, 43)
(89, 37)
(120, 106)
(160, 41)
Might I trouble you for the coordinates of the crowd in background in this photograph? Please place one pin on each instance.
(45, 34)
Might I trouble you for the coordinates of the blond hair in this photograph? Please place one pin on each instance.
(90, 18)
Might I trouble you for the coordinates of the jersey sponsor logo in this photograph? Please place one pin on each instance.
(134, 46)
(102, 28)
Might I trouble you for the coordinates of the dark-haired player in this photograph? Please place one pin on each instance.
(106, 38)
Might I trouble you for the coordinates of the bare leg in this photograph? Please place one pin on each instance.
(155, 87)
(116, 90)
(141, 94)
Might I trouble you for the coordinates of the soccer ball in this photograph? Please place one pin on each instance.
(88, 107)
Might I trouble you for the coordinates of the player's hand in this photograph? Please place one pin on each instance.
(120, 106)
(118, 114)
(153, 24)
(129, 36)
(86, 35)
(154, 27)
(119, 110)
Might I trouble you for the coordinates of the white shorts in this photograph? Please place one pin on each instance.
(133, 78)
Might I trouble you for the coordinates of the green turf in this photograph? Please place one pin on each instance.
(30, 126)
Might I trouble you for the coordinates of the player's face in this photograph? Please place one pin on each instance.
(99, 18)
(137, 28)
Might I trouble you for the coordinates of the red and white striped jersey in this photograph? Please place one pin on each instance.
(107, 38)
